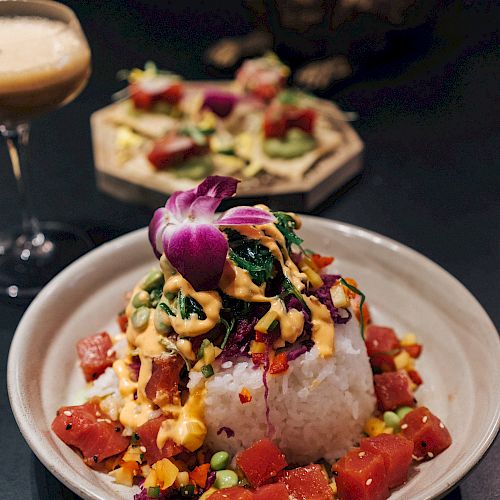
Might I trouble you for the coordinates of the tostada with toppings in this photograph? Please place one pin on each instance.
(247, 369)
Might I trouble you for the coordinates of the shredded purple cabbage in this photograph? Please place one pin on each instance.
(239, 341)
(323, 295)
(229, 432)
(295, 352)
(271, 430)
(292, 302)
(210, 480)
(135, 367)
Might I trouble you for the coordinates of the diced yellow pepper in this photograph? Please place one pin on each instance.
(166, 473)
(151, 479)
(313, 277)
(401, 360)
(197, 367)
(243, 144)
(133, 454)
(257, 347)
(217, 350)
(209, 354)
(410, 365)
(182, 478)
(227, 163)
(409, 339)
(125, 474)
(265, 322)
(252, 169)
(339, 297)
(388, 430)
(374, 426)
(208, 120)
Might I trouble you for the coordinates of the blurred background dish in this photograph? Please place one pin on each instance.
(426, 115)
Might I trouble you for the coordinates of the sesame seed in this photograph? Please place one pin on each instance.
(424, 419)
(97, 413)
(104, 420)
(417, 458)
(109, 352)
(68, 413)
(404, 426)
(430, 454)
(361, 454)
(143, 449)
(375, 343)
(369, 481)
(441, 425)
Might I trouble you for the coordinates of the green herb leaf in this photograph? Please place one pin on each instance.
(291, 290)
(286, 226)
(229, 328)
(189, 306)
(250, 255)
(166, 308)
(187, 490)
(362, 295)
(207, 371)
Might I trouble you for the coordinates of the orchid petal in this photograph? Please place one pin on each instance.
(179, 203)
(198, 252)
(156, 228)
(203, 208)
(217, 186)
(247, 216)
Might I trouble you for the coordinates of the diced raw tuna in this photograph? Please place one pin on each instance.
(396, 452)
(94, 355)
(380, 339)
(274, 491)
(234, 493)
(428, 434)
(307, 483)
(415, 377)
(360, 475)
(174, 149)
(90, 430)
(148, 433)
(261, 462)
(163, 386)
(381, 362)
(393, 390)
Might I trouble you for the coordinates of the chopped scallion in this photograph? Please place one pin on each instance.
(154, 492)
(207, 371)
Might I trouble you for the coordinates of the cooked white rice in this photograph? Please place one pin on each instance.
(318, 407)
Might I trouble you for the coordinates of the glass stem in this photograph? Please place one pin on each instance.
(17, 139)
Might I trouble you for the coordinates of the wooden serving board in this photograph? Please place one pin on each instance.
(151, 188)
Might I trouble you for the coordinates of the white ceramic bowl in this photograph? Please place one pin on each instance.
(460, 361)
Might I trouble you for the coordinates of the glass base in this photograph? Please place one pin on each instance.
(27, 264)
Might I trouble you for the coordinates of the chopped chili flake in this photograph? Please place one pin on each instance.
(199, 475)
(245, 396)
(321, 261)
(258, 358)
(279, 364)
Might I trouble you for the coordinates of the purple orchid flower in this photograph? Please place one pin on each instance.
(186, 230)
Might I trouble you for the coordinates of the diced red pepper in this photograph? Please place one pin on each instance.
(396, 452)
(95, 356)
(261, 462)
(274, 491)
(174, 149)
(306, 483)
(382, 362)
(148, 433)
(122, 321)
(321, 261)
(361, 475)
(428, 434)
(258, 358)
(279, 364)
(380, 339)
(415, 377)
(90, 430)
(199, 475)
(234, 493)
(393, 390)
(245, 396)
(413, 350)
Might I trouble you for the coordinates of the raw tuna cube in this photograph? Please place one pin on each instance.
(381, 362)
(275, 491)
(148, 433)
(396, 452)
(360, 475)
(428, 434)
(307, 483)
(163, 386)
(234, 493)
(414, 350)
(380, 339)
(87, 428)
(261, 462)
(94, 355)
(393, 390)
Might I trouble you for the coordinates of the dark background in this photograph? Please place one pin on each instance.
(428, 114)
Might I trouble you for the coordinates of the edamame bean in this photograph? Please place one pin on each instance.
(153, 280)
(225, 479)
(141, 299)
(391, 419)
(161, 320)
(140, 318)
(155, 297)
(219, 460)
(404, 410)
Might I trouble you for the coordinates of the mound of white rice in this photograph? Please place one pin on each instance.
(318, 407)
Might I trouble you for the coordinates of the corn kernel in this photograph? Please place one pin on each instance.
(166, 473)
(374, 426)
(409, 339)
(401, 360)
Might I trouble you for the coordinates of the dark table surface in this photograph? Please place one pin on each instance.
(431, 177)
